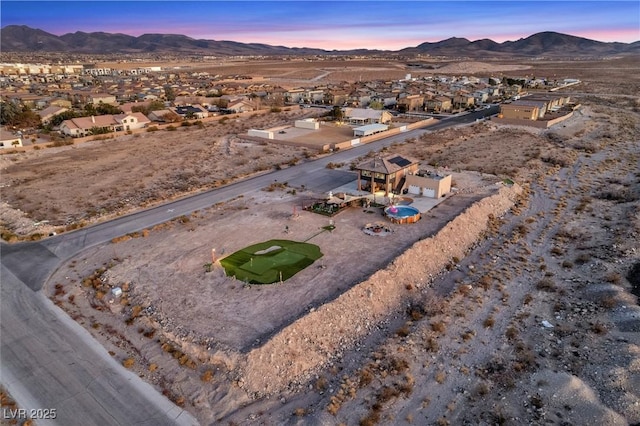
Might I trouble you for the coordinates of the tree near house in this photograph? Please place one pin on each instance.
(169, 93)
(57, 119)
(19, 116)
(337, 113)
(171, 117)
(95, 130)
(376, 105)
(101, 109)
(8, 113)
(146, 109)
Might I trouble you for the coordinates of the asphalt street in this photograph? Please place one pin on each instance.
(49, 361)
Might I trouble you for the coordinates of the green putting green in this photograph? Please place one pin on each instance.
(270, 261)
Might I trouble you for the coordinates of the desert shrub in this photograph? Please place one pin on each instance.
(489, 322)
(9, 236)
(415, 312)
(152, 129)
(468, 335)
(439, 327)
(207, 376)
(485, 282)
(613, 277)
(599, 328)
(398, 364)
(546, 284)
(403, 331)
(321, 384)
(582, 258)
(557, 251)
(608, 302)
(431, 345)
(128, 363)
(62, 142)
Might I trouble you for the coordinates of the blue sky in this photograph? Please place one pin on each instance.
(386, 24)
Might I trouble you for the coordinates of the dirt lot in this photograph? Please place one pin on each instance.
(533, 323)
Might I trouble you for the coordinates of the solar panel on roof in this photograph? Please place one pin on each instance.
(399, 161)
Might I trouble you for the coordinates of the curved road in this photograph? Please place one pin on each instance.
(48, 361)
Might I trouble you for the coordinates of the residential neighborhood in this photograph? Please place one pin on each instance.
(82, 100)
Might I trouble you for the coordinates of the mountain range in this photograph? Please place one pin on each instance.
(23, 39)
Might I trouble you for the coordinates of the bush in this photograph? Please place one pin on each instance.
(546, 284)
(439, 327)
(489, 322)
(207, 376)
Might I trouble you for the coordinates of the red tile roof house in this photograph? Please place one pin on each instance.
(82, 126)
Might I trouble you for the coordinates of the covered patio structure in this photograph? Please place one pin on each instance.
(385, 173)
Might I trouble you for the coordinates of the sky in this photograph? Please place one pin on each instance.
(340, 25)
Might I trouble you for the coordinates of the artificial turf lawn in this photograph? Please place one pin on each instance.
(265, 268)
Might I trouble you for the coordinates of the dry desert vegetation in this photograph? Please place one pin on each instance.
(506, 304)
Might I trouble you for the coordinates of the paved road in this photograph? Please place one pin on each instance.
(49, 361)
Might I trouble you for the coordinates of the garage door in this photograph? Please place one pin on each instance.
(415, 190)
(429, 192)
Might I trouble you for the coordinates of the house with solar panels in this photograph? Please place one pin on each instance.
(386, 174)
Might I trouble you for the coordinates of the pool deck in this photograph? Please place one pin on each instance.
(424, 204)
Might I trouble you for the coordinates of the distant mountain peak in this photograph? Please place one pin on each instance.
(21, 38)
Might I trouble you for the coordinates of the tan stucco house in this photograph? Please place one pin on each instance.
(82, 126)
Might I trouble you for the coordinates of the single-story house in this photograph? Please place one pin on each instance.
(103, 99)
(191, 111)
(362, 116)
(164, 115)
(83, 126)
(385, 173)
(241, 105)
